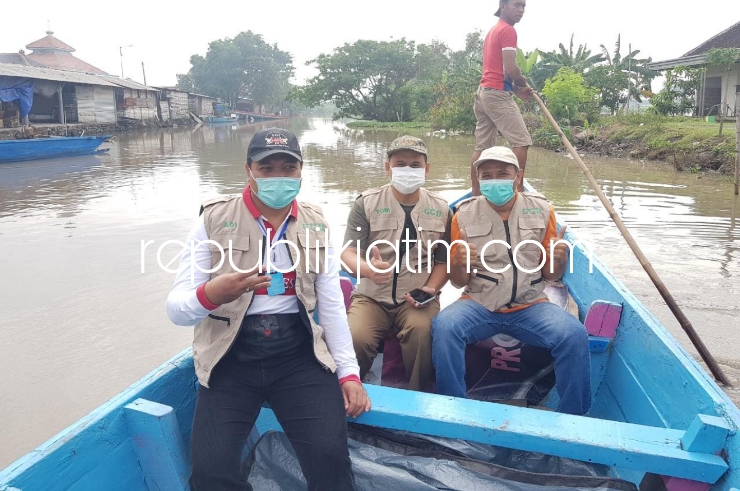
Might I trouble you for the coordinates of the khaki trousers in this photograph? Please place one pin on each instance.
(370, 322)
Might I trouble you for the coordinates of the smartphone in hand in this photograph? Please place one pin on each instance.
(420, 296)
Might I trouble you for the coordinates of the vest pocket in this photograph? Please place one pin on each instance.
(234, 248)
(484, 281)
(531, 229)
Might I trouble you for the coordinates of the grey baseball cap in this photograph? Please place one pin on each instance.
(407, 142)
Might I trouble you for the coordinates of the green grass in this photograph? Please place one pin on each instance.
(388, 125)
(677, 133)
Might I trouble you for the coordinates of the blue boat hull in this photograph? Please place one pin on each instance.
(654, 411)
(215, 119)
(48, 148)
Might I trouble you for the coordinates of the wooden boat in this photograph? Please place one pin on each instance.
(47, 148)
(657, 418)
(222, 119)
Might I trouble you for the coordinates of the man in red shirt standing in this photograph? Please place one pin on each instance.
(495, 109)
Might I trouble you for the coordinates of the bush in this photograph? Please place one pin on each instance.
(568, 98)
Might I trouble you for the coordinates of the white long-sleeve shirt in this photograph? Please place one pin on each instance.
(185, 309)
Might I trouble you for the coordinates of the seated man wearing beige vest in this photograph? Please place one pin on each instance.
(255, 336)
(502, 270)
(407, 220)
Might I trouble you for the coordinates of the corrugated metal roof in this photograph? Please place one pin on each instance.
(8, 70)
(129, 84)
(203, 95)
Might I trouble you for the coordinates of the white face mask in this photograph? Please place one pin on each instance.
(406, 180)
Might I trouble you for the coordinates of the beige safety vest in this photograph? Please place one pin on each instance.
(386, 217)
(527, 221)
(229, 223)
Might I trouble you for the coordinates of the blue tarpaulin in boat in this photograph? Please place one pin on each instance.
(12, 89)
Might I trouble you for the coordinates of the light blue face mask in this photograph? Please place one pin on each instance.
(277, 192)
(497, 191)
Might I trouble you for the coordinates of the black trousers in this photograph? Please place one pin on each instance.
(308, 403)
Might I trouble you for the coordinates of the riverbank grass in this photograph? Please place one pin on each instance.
(674, 134)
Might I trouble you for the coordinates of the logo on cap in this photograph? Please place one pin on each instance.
(276, 139)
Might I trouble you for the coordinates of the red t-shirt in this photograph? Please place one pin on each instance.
(500, 38)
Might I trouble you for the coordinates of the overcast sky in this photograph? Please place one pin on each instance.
(164, 33)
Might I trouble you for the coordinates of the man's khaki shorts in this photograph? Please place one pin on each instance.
(495, 110)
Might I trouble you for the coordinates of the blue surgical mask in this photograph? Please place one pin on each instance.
(277, 192)
(497, 191)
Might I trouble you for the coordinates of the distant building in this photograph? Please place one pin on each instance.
(201, 105)
(173, 104)
(716, 78)
(50, 52)
(135, 100)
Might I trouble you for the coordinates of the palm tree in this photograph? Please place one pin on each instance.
(639, 75)
(579, 61)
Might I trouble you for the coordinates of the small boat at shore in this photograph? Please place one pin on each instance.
(658, 421)
(48, 148)
(222, 119)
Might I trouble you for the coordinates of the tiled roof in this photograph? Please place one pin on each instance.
(729, 38)
(63, 60)
(50, 42)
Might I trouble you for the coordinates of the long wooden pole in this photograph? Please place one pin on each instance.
(737, 140)
(685, 324)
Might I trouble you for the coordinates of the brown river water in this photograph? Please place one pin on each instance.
(80, 321)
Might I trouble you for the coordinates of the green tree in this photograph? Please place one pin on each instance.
(455, 94)
(366, 80)
(679, 92)
(245, 66)
(433, 62)
(568, 98)
(626, 70)
(578, 61)
(726, 58)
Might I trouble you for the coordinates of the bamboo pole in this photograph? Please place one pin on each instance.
(682, 320)
(737, 140)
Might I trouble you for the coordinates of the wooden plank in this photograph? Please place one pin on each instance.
(706, 434)
(159, 446)
(645, 448)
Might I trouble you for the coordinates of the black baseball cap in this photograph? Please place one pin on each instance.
(273, 141)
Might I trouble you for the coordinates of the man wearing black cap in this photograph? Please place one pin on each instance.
(495, 109)
(255, 269)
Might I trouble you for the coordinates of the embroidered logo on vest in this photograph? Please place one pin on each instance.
(319, 227)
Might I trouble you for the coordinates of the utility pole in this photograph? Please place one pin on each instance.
(120, 51)
(629, 76)
(143, 71)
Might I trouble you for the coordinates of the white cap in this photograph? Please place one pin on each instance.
(499, 154)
